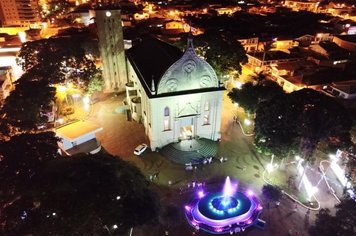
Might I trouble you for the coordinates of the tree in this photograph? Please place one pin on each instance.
(275, 129)
(271, 192)
(25, 108)
(320, 117)
(96, 83)
(83, 195)
(341, 224)
(246, 97)
(61, 59)
(252, 93)
(305, 117)
(325, 224)
(21, 157)
(222, 53)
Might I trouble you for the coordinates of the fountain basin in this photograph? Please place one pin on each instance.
(220, 213)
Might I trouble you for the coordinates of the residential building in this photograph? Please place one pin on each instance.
(260, 61)
(344, 89)
(329, 54)
(249, 43)
(347, 42)
(301, 5)
(284, 44)
(19, 13)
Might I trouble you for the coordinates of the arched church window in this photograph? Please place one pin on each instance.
(166, 111)
(166, 119)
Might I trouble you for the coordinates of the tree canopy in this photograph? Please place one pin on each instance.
(26, 106)
(275, 129)
(60, 59)
(252, 93)
(305, 117)
(222, 53)
(82, 195)
(341, 224)
(20, 159)
(271, 192)
(320, 117)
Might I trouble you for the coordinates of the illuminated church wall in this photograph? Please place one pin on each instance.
(185, 111)
(186, 102)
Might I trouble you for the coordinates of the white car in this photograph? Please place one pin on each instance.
(140, 149)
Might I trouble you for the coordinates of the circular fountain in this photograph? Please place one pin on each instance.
(228, 211)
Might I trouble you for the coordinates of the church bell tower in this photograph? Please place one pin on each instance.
(111, 46)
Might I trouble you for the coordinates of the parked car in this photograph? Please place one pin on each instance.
(140, 149)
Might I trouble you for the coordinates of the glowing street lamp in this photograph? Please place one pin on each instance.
(269, 167)
(238, 84)
(86, 102)
(247, 122)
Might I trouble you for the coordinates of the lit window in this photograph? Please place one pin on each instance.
(166, 122)
(206, 106)
(206, 118)
(206, 113)
(166, 111)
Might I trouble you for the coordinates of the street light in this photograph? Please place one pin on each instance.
(238, 84)
(247, 122)
(86, 102)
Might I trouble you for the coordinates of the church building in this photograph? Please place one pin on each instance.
(175, 95)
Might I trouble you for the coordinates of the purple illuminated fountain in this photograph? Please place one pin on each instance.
(223, 212)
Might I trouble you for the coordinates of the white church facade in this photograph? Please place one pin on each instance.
(175, 95)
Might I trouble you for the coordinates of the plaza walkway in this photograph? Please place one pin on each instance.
(119, 137)
(193, 151)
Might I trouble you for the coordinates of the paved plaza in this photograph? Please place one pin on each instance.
(120, 136)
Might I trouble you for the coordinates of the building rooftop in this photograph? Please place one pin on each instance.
(274, 55)
(151, 58)
(349, 38)
(346, 86)
(77, 129)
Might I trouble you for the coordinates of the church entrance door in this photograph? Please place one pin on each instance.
(186, 128)
(186, 132)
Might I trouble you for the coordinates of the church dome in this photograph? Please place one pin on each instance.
(190, 72)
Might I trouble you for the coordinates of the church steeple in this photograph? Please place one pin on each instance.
(153, 87)
(190, 38)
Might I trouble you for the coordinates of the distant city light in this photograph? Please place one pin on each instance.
(22, 36)
(238, 84)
